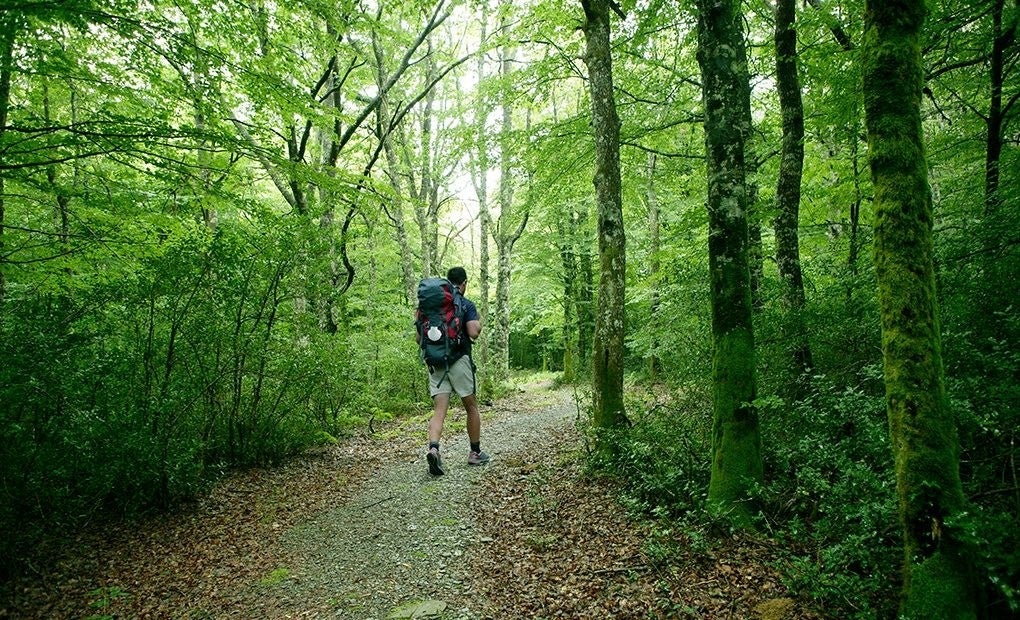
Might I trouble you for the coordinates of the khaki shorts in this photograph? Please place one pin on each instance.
(460, 379)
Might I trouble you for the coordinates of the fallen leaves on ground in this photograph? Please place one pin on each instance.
(558, 545)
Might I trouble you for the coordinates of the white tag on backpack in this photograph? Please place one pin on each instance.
(434, 334)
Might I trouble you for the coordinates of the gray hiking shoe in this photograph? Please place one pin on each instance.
(435, 463)
(478, 458)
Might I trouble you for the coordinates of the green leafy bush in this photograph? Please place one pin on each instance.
(662, 460)
(830, 496)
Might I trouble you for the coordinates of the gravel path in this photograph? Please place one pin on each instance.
(395, 550)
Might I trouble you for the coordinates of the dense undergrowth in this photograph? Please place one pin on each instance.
(829, 497)
(132, 392)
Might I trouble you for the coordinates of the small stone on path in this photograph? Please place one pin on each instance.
(418, 609)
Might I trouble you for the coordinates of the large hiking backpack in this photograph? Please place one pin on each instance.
(440, 322)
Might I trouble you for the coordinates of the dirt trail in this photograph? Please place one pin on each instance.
(398, 545)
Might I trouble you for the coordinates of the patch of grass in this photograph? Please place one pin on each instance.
(542, 542)
(103, 598)
(277, 576)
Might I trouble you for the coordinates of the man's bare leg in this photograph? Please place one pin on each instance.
(474, 429)
(440, 407)
(474, 420)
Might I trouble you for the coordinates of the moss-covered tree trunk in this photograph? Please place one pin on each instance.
(736, 442)
(938, 579)
(791, 167)
(607, 361)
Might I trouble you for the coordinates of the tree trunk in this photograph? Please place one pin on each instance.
(500, 361)
(568, 259)
(791, 169)
(62, 199)
(481, 183)
(7, 32)
(584, 293)
(736, 442)
(394, 210)
(938, 578)
(653, 265)
(1003, 37)
(427, 193)
(610, 319)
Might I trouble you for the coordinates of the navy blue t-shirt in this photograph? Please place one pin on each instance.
(470, 314)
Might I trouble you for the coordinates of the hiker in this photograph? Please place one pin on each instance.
(457, 376)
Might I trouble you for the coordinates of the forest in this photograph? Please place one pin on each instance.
(773, 244)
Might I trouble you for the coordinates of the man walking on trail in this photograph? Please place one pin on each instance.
(459, 378)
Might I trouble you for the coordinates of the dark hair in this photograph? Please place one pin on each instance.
(457, 275)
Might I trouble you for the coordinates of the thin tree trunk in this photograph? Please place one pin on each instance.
(1003, 38)
(395, 209)
(585, 295)
(653, 264)
(938, 575)
(501, 340)
(60, 215)
(568, 260)
(610, 318)
(481, 183)
(8, 28)
(736, 441)
(791, 169)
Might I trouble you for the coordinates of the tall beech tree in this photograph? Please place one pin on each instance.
(478, 158)
(938, 579)
(736, 441)
(610, 318)
(509, 225)
(791, 169)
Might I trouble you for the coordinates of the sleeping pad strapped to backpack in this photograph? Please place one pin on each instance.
(440, 322)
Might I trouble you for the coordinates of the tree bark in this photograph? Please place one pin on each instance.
(1003, 38)
(566, 235)
(395, 210)
(938, 576)
(610, 319)
(736, 442)
(8, 28)
(654, 250)
(791, 167)
(500, 361)
(481, 183)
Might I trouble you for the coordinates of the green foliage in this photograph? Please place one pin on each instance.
(103, 598)
(830, 496)
(662, 459)
(986, 399)
(121, 395)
